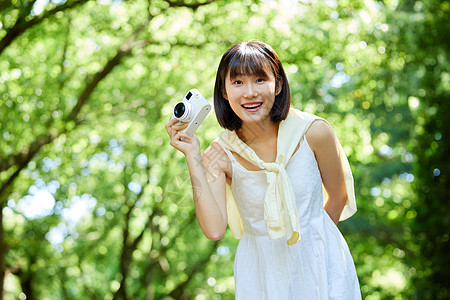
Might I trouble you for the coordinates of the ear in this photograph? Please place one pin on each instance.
(279, 85)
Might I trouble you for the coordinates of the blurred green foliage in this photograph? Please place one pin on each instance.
(94, 203)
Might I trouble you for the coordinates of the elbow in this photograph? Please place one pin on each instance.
(343, 199)
(215, 235)
(335, 206)
(340, 199)
(341, 202)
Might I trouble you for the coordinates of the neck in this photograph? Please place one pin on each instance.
(257, 133)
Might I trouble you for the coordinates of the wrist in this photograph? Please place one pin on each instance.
(194, 158)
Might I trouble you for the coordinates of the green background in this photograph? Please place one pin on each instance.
(95, 204)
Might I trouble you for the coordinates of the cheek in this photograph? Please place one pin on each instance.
(234, 105)
(270, 92)
(232, 96)
(229, 92)
(273, 87)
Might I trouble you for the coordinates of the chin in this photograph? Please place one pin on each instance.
(255, 118)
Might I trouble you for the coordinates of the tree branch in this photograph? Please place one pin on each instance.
(63, 56)
(178, 291)
(124, 50)
(128, 247)
(22, 25)
(26, 154)
(22, 158)
(126, 253)
(146, 280)
(194, 6)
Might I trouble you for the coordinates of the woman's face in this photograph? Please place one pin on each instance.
(250, 96)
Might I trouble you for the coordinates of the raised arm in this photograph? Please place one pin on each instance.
(208, 179)
(322, 141)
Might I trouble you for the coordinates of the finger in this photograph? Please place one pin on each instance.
(170, 124)
(180, 127)
(170, 131)
(173, 122)
(178, 140)
(173, 131)
(182, 137)
(177, 128)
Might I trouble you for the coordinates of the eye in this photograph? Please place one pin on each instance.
(259, 80)
(237, 82)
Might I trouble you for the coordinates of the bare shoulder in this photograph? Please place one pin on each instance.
(215, 159)
(320, 134)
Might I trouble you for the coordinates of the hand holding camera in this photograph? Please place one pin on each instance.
(193, 109)
(187, 116)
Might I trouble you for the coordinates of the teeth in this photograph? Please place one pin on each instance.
(251, 105)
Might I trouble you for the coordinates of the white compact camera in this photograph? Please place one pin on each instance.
(193, 109)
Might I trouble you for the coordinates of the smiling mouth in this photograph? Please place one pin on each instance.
(252, 105)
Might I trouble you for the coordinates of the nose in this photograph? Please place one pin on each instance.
(250, 91)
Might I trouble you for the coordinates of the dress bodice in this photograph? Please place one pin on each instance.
(249, 188)
(318, 267)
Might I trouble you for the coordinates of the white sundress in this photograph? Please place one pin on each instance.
(320, 266)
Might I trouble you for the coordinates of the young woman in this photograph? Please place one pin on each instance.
(279, 178)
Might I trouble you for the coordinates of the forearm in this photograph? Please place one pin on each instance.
(210, 216)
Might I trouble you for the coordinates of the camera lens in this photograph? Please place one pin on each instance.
(179, 110)
(183, 111)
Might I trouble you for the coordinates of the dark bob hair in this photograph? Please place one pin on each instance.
(252, 59)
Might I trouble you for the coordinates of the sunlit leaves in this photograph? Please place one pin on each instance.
(116, 182)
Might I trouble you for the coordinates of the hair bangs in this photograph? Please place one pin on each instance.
(249, 62)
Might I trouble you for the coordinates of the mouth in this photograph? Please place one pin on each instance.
(252, 106)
